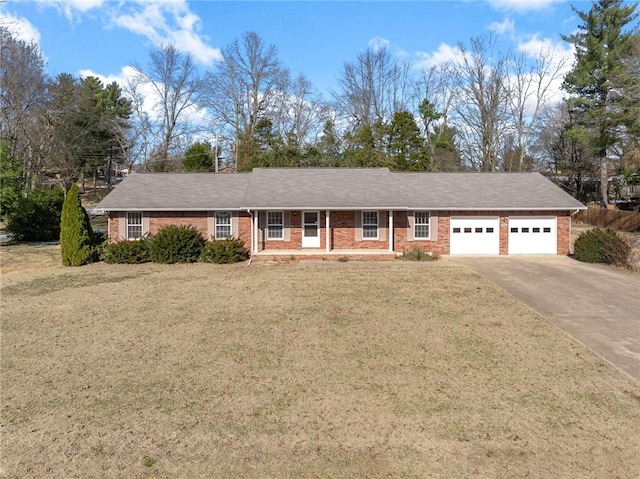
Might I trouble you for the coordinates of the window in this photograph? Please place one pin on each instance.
(134, 225)
(489, 230)
(223, 224)
(421, 227)
(370, 225)
(456, 230)
(275, 225)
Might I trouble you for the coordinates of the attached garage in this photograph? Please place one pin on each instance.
(533, 235)
(475, 235)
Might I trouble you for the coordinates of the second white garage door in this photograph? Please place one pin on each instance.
(533, 235)
(475, 235)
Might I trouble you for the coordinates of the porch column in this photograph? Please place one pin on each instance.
(254, 236)
(390, 231)
(327, 233)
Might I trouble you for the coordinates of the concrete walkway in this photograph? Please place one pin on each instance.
(598, 305)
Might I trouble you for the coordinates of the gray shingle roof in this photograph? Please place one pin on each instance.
(337, 188)
(177, 192)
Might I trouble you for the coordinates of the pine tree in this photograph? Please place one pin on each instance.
(76, 235)
(600, 43)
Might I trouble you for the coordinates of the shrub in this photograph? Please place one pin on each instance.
(602, 246)
(176, 244)
(416, 254)
(127, 252)
(35, 216)
(224, 251)
(76, 235)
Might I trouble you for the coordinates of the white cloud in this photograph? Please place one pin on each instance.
(501, 28)
(72, 9)
(536, 46)
(444, 54)
(20, 28)
(378, 43)
(160, 21)
(522, 5)
(168, 21)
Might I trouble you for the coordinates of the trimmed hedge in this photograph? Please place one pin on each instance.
(127, 252)
(176, 244)
(602, 246)
(224, 251)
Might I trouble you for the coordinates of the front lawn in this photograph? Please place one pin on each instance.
(317, 369)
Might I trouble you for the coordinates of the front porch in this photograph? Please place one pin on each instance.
(322, 255)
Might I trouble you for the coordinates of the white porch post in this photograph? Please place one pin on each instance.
(327, 239)
(390, 231)
(254, 237)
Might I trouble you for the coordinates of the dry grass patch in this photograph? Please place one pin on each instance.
(300, 370)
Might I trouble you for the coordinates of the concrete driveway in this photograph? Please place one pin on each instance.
(596, 304)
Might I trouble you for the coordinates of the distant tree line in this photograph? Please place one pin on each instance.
(485, 110)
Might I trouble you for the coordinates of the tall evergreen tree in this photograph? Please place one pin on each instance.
(76, 235)
(601, 42)
(198, 157)
(405, 145)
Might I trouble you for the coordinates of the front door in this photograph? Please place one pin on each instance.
(310, 229)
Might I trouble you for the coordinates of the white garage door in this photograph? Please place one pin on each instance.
(533, 235)
(475, 235)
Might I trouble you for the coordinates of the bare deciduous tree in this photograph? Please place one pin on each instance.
(373, 88)
(172, 82)
(481, 101)
(245, 88)
(22, 97)
(528, 88)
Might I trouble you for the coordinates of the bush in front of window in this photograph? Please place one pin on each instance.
(127, 252)
(416, 254)
(224, 251)
(176, 244)
(76, 235)
(602, 246)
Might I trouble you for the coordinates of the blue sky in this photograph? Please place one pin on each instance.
(314, 38)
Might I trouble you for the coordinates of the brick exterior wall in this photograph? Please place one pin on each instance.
(197, 219)
(343, 229)
(154, 220)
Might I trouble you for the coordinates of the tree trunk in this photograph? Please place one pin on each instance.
(604, 182)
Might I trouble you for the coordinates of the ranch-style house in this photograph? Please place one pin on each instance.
(351, 211)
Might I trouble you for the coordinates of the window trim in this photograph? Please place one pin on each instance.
(377, 225)
(416, 224)
(228, 216)
(128, 224)
(280, 225)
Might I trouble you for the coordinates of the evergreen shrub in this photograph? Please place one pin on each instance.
(35, 216)
(127, 252)
(176, 244)
(76, 235)
(224, 251)
(602, 246)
